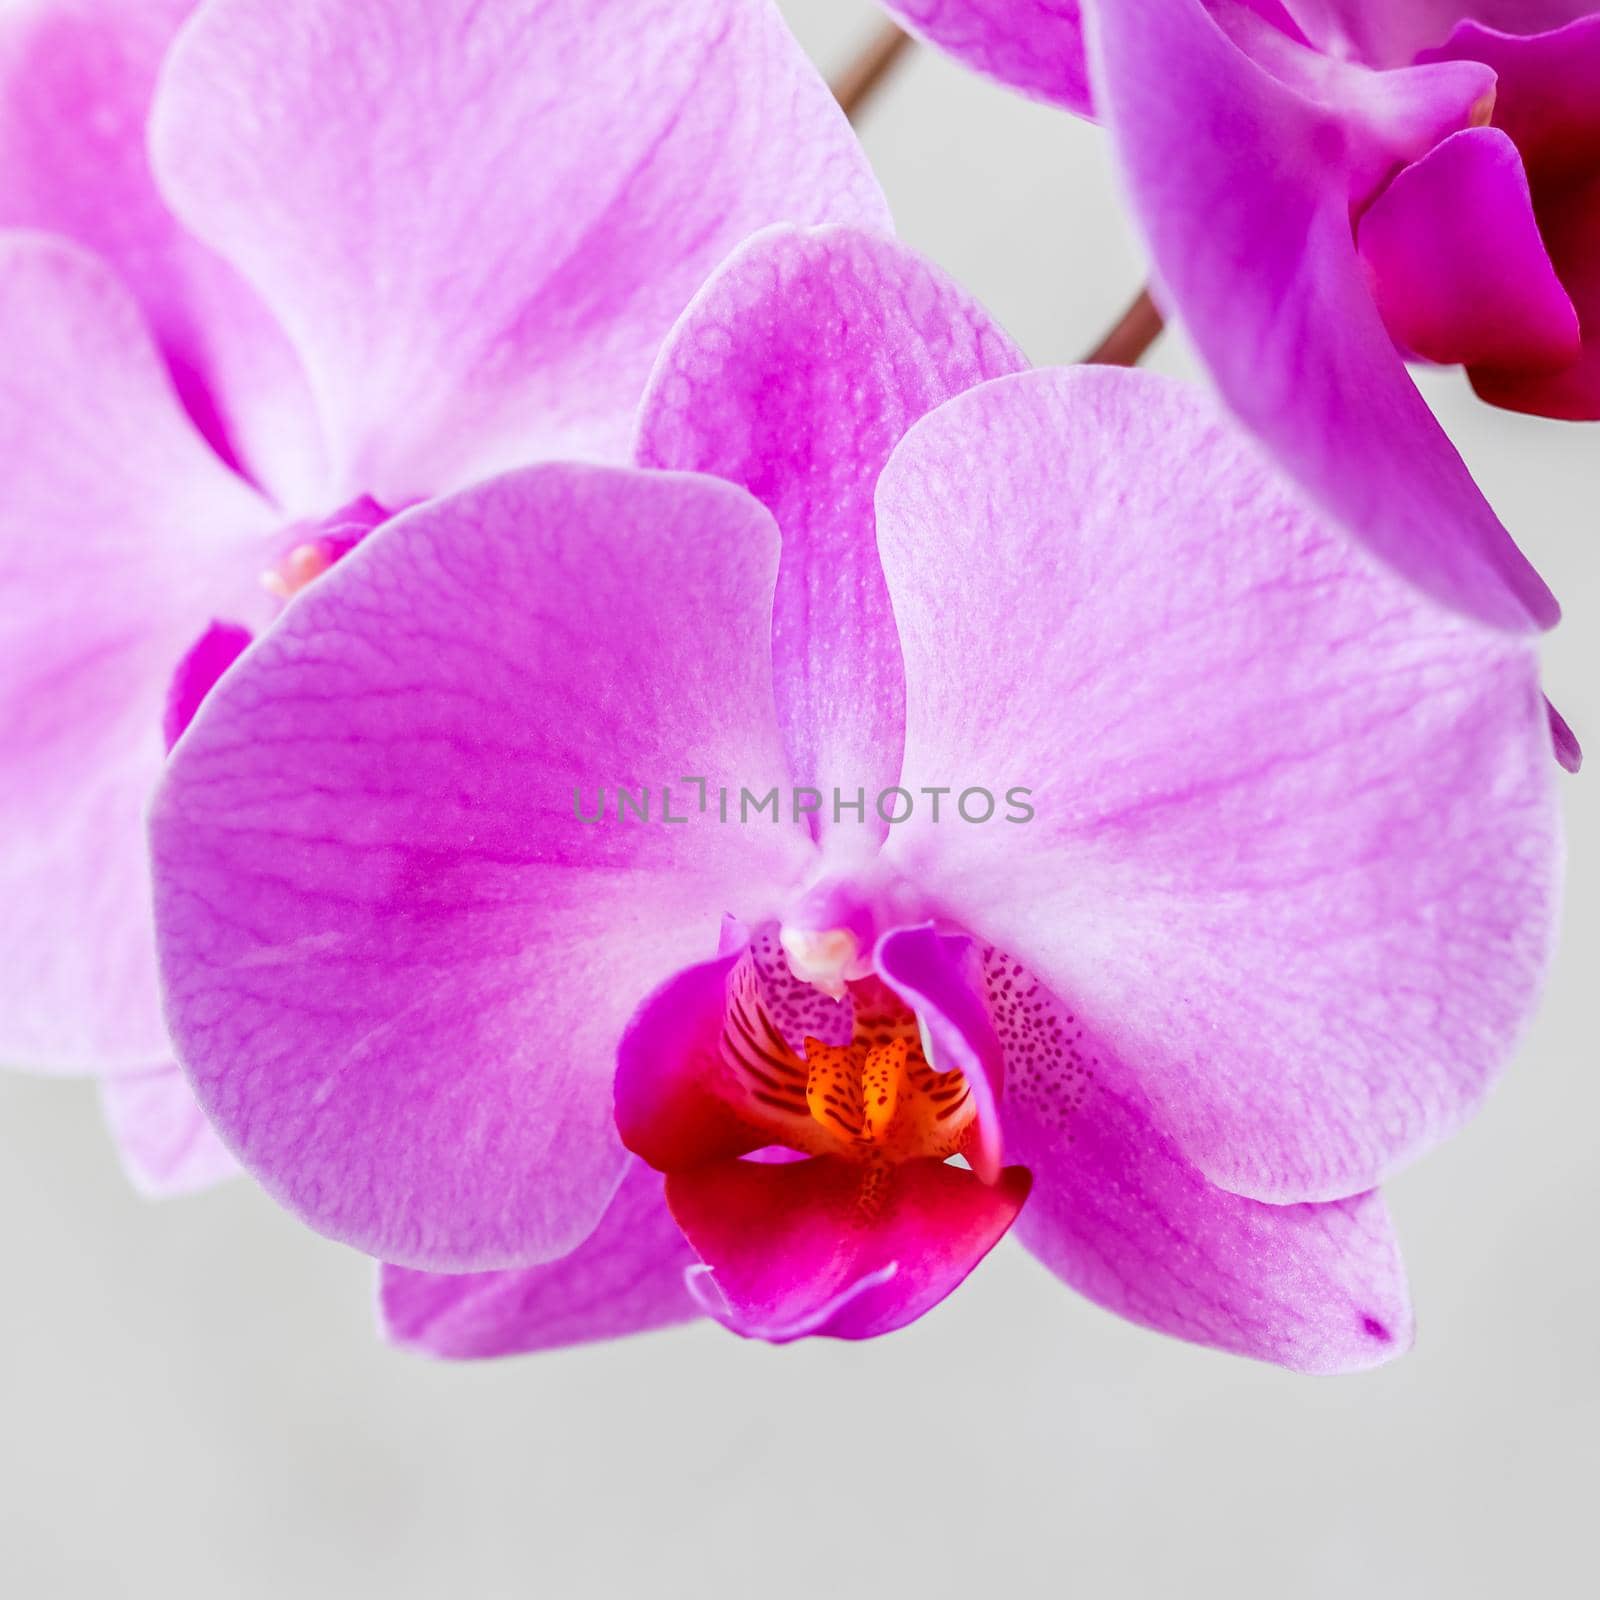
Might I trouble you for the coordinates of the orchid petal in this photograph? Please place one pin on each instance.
(476, 263)
(1036, 46)
(1119, 1215)
(76, 80)
(795, 372)
(1295, 850)
(1032, 45)
(1390, 33)
(1568, 751)
(397, 961)
(626, 1277)
(122, 535)
(166, 1144)
(1123, 1219)
(1243, 186)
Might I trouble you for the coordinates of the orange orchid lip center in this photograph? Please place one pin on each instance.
(877, 1098)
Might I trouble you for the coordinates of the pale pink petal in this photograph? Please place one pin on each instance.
(166, 1144)
(121, 539)
(626, 1277)
(1117, 1213)
(1458, 268)
(821, 1247)
(76, 79)
(1294, 852)
(1242, 180)
(795, 372)
(398, 963)
(478, 222)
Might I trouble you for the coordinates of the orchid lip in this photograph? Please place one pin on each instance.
(833, 1163)
(701, 1282)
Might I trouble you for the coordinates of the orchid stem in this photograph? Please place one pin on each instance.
(866, 74)
(1139, 328)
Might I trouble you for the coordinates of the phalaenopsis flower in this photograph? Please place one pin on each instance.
(1328, 186)
(271, 270)
(921, 797)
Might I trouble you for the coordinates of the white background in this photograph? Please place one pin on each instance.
(192, 1402)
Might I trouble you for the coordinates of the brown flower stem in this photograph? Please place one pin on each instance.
(1126, 344)
(865, 75)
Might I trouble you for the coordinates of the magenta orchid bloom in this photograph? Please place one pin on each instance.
(271, 270)
(1329, 186)
(614, 895)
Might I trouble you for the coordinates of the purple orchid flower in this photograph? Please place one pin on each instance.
(1328, 186)
(615, 895)
(269, 271)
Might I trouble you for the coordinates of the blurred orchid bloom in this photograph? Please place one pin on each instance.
(269, 271)
(1328, 186)
(1272, 915)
